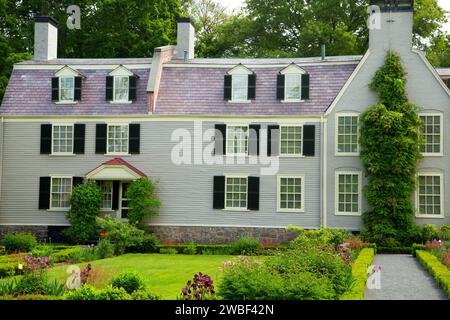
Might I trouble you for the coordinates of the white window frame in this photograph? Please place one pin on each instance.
(442, 195)
(358, 148)
(227, 140)
(112, 196)
(302, 191)
(287, 99)
(300, 155)
(51, 192)
(441, 142)
(60, 89)
(53, 137)
(114, 89)
(336, 192)
(226, 208)
(107, 139)
(233, 88)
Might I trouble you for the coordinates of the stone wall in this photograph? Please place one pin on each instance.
(40, 232)
(220, 235)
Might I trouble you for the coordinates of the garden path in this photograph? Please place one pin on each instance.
(403, 278)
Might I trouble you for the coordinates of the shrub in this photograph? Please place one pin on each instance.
(439, 271)
(89, 292)
(142, 201)
(42, 251)
(86, 292)
(190, 249)
(359, 273)
(200, 288)
(245, 245)
(444, 232)
(70, 254)
(429, 232)
(356, 243)
(85, 203)
(104, 249)
(19, 242)
(168, 251)
(112, 293)
(31, 284)
(8, 269)
(319, 238)
(143, 295)
(149, 243)
(130, 281)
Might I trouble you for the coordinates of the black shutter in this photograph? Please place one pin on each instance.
(280, 86)
(309, 133)
(134, 142)
(227, 87)
(219, 192)
(46, 138)
(100, 138)
(305, 86)
(253, 147)
(251, 91)
(76, 181)
(132, 88)
(55, 89)
(44, 193)
(77, 89)
(79, 131)
(253, 193)
(109, 88)
(273, 140)
(220, 139)
(115, 195)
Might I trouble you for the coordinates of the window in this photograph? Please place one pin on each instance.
(118, 139)
(61, 188)
(236, 193)
(432, 131)
(291, 140)
(293, 83)
(430, 195)
(348, 194)
(237, 140)
(347, 135)
(107, 190)
(62, 140)
(66, 89)
(121, 88)
(240, 87)
(290, 194)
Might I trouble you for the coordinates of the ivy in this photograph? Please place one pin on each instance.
(390, 140)
(142, 201)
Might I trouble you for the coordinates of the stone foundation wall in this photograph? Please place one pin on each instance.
(41, 232)
(220, 235)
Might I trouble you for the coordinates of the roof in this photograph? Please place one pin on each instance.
(121, 162)
(443, 72)
(112, 61)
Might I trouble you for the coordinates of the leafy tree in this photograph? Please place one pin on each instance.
(390, 140)
(85, 204)
(142, 201)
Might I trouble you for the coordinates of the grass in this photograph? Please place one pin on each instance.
(164, 275)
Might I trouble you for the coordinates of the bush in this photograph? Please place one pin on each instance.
(86, 292)
(245, 245)
(19, 242)
(142, 201)
(148, 244)
(104, 249)
(444, 232)
(429, 232)
(320, 237)
(143, 295)
(168, 251)
(112, 293)
(190, 249)
(42, 251)
(359, 273)
(417, 246)
(130, 281)
(85, 203)
(66, 255)
(31, 284)
(8, 269)
(439, 271)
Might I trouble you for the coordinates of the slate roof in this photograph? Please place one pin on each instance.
(121, 162)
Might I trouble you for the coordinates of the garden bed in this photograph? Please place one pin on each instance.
(439, 271)
(360, 275)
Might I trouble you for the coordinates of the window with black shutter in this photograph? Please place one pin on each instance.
(77, 89)
(220, 139)
(253, 193)
(76, 181)
(79, 138)
(219, 192)
(132, 88)
(44, 193)
(55, 89)
(273, 140)
(309, 133)
(100, 138)
(46, 138)
(134, 141)
(254, 139)
(109, 88)
(305, 86)
(115, 195)
(251, 94)
(228, 82)
(280, 86)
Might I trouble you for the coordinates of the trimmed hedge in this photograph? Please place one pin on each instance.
(417, 246)
(8, 269)
(359, 272)
(395, 250)
(218, 249)
(439, 271)
(66, 254)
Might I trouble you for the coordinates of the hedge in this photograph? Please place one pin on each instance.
(66, 254)
(218, 249)
(360, 275)
(8, 269)
(438, 270)
(395, 250)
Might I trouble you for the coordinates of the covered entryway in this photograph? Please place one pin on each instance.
(114, 177)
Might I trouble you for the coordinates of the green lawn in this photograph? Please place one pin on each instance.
(164, 275)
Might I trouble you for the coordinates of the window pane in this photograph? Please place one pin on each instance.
(106, 187)
(293, 86)
(290, 193)
(236, 196)
(118, 138)
(121, 88)
(431, 134)
(429, 195)
(66, 88)
(347, 134)
(240, 87)
(62, 141)
(237, 140)
(348, 193)
(60, 195)
(291, 140)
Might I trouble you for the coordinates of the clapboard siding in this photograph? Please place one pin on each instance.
(185, 191)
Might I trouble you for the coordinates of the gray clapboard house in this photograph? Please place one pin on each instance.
(236, 146)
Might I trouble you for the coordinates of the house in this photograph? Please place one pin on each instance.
(236, 146)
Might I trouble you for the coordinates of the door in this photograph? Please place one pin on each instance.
(124, 200)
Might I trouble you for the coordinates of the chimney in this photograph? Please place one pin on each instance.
(391, 25)
(185, 39)
(45, 38)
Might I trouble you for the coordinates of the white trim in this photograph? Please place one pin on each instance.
(80, 66)
(300, 74)
(255, 66)
(292, 101)
(442, 195)
(347, 84)
(302, 192)
(239, 101)
(240, 209)
(59, 90)
(432, 69)
(67, 71)
(73, 133)
(92, 175)
(121, 71)
(336, 134)
(324, 173)
(336, 192)
(51, 192)
(441, 116)
(279, 142)
(232, 100)
(240, 69)
(248, 140)
(127, 100)
(107, 139)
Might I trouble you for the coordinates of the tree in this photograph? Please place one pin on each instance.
(390, 140)
(142, 201)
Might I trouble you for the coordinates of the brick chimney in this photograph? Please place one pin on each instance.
(45, 38)
(185, 48)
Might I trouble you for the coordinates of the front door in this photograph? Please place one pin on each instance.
(124, 200)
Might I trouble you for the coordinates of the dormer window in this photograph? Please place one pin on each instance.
(121, 85)
(293, 84)
(240, 85)
(66, 86)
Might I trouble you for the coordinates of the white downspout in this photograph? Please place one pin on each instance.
(2, 133)
(324, 170)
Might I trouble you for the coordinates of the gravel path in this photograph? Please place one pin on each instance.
(403, 278)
